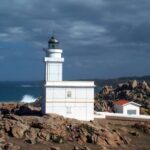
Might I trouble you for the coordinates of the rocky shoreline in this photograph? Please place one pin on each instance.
(24, 122)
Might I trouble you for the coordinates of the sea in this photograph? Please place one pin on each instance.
(20, 91)
(23, 91)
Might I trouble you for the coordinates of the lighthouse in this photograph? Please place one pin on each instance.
(71, 99)
(53, 61)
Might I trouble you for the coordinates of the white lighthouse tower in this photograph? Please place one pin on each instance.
(53, 61)
(72, 99)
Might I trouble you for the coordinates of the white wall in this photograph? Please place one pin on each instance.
(77, 93)
(118, 115)
(54, 53)
(54, 71)
(131, 107)
(80, 111)
(80, 103)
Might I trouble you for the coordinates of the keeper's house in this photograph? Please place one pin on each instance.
(127, 108)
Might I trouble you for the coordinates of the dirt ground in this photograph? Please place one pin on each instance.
(142, 142)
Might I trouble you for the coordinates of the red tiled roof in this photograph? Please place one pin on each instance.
(121, 102)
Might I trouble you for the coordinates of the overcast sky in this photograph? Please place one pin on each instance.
(99, 38)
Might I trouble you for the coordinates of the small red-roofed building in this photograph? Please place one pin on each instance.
(127, 108)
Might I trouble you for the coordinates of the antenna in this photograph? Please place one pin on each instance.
(52, 28)
(53, 32)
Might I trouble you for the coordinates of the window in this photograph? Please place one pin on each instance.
(131, 112)
(69, 94)
(68, 110)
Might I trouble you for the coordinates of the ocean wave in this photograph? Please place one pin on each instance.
(28, 99)
(26, 85)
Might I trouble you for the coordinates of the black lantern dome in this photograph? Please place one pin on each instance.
(53, 43)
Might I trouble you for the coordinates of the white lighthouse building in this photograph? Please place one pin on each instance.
(72, 99)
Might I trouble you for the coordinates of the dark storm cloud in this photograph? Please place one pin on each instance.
(105, 37)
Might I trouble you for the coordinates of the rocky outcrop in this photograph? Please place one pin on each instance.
(107, 90)
(131, 90)
(55, 129)
(103, 105)
(18, 129)
(7, 108)
(5, 144)
(20, 109)
(58, 131)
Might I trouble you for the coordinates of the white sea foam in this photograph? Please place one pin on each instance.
(25, 85)
(28, 85)
(28, 99)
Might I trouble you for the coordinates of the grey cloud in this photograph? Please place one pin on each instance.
(99, 32)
